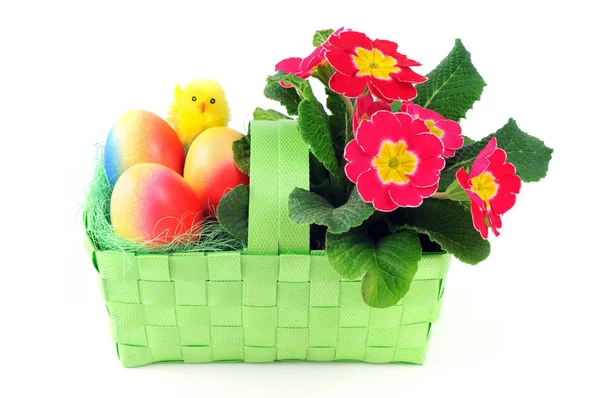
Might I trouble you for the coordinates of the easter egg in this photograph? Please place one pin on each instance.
(140, 136)
(209, 166)
(151, 202)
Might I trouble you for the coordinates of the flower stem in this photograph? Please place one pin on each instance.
(317, 75)
(440, 195)
(323, 74)
(348, 105)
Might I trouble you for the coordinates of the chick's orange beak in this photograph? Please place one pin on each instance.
(202, 106)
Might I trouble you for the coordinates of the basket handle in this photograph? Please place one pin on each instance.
(278, 164)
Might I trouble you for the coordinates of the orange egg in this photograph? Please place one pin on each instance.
(152, 203)
(209, 166)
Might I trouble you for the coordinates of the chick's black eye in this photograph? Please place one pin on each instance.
(212, 101)
(194, 98)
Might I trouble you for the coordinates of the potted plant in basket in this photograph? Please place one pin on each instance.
(392, 174)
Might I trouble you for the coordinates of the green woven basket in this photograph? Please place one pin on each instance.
(277, 300)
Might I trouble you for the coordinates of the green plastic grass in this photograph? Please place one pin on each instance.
(97, 209)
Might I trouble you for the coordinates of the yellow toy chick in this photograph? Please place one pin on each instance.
(199, 106)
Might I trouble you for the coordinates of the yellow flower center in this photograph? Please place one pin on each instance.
(485, 186)
(374, 63)
(434, 130)
(394, 163)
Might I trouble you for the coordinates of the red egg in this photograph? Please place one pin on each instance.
(209, 166)
(152, 203)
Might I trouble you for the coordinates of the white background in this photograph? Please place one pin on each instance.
(525, 322)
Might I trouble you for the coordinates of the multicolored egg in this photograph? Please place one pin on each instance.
(140, 136)
(152, 203)
(209, 166)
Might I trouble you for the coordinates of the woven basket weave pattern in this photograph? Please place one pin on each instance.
(234, 307)
(275, 301)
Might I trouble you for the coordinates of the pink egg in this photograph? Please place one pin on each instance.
(151, 202)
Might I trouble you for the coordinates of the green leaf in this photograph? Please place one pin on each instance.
(320, 182)
(468, 141)
(318, 172)
(350, 254)
(453, 86)
(302, 86)
(321, 36)
(241, 153)
(314, 130)
(336, 106)
(449, 224)
(398, 257)
(310, 208)
(387, 267)
(529, 154)
(268, 114)
(288, 97)
(232, 212)
(338, 120)
(396, 105)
